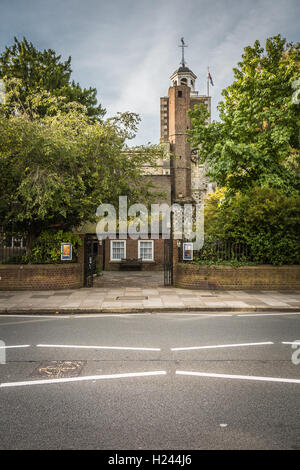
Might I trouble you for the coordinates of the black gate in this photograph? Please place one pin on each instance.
(168, 262)
(90, 254)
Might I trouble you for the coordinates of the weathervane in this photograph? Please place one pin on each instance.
(183, 45)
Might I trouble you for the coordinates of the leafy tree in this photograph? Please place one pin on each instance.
(56, 169)
(44, 70)
(265, 219)
(256, 143)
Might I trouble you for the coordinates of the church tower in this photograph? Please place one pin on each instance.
(188, 178)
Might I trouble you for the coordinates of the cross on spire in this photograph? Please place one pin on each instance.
(183, 45)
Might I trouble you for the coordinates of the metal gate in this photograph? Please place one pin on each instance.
(168, 262)
(90, 254)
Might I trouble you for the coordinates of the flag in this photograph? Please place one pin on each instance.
(210, 79)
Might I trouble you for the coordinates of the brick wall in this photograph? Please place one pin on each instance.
(40, 276)
(192, 276)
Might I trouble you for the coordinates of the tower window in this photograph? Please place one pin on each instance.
(183, 81)
(179, 94)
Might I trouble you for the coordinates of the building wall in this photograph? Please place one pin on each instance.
(162, 184)
(189, 179)
(179, 122)
(132, 252)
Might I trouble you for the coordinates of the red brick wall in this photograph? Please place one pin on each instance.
(193, 276)
(132, 252)
(40, 276)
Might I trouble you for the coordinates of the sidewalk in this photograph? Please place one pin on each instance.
(139, 299)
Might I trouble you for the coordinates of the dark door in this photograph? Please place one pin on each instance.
(90, 254)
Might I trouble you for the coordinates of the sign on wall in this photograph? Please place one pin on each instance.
(188, 251)
(66, 252)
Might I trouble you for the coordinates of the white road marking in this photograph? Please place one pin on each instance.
(195, 314)
(94, 347)
(81, 379)
(221, 346)
(266, 314)
(29, 321)
(240, 377)
(17, 346)
(297, 341)
(33, 316)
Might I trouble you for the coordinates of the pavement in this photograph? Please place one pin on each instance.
(146, 299)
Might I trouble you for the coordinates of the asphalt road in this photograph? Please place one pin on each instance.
(146, 397)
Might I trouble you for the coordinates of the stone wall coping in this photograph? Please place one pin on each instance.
(39, 266)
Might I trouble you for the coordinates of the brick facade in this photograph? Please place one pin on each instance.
(41, 276)
(132, 252)
(191, 276)
(189, 181)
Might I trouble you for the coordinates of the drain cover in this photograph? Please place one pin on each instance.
(61, 293)
(132, 297)
(40, 296)
(58, 369)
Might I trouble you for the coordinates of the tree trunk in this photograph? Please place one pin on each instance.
(29, 242)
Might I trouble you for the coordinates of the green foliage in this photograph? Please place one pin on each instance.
(47, 247)
(56, 169)
(257, 141)
(265, 219)
(218, 251)
(38, 71)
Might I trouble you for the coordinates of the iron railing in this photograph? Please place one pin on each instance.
(13, 251)
(218, 251)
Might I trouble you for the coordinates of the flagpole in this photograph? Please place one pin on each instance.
(207, 81)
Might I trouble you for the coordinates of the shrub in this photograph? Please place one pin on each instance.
(47, 247)
(265, 219)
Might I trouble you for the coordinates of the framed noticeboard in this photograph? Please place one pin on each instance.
(66, 252)
(188, 251)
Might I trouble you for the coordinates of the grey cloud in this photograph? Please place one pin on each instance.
(127, 49)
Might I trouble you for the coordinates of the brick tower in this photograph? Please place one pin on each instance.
(188, 178)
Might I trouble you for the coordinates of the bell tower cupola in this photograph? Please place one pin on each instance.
(183, 75)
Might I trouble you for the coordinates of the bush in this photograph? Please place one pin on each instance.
(47, 247)
(264, 219)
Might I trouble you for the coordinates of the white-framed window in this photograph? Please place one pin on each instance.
(146, 250)
(117, 250)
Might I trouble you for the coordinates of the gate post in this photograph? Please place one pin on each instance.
(88, 262)
(175, 260)
(80, 259)
(168, 262)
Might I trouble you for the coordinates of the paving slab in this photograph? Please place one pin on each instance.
(145, 292)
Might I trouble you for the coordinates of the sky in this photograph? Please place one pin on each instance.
(128, 49)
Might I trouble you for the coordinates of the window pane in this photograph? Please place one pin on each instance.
(146, 250)
(118, 250)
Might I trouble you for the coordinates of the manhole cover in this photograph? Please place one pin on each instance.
(40, 296)
(61, 293)
(58, 369)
